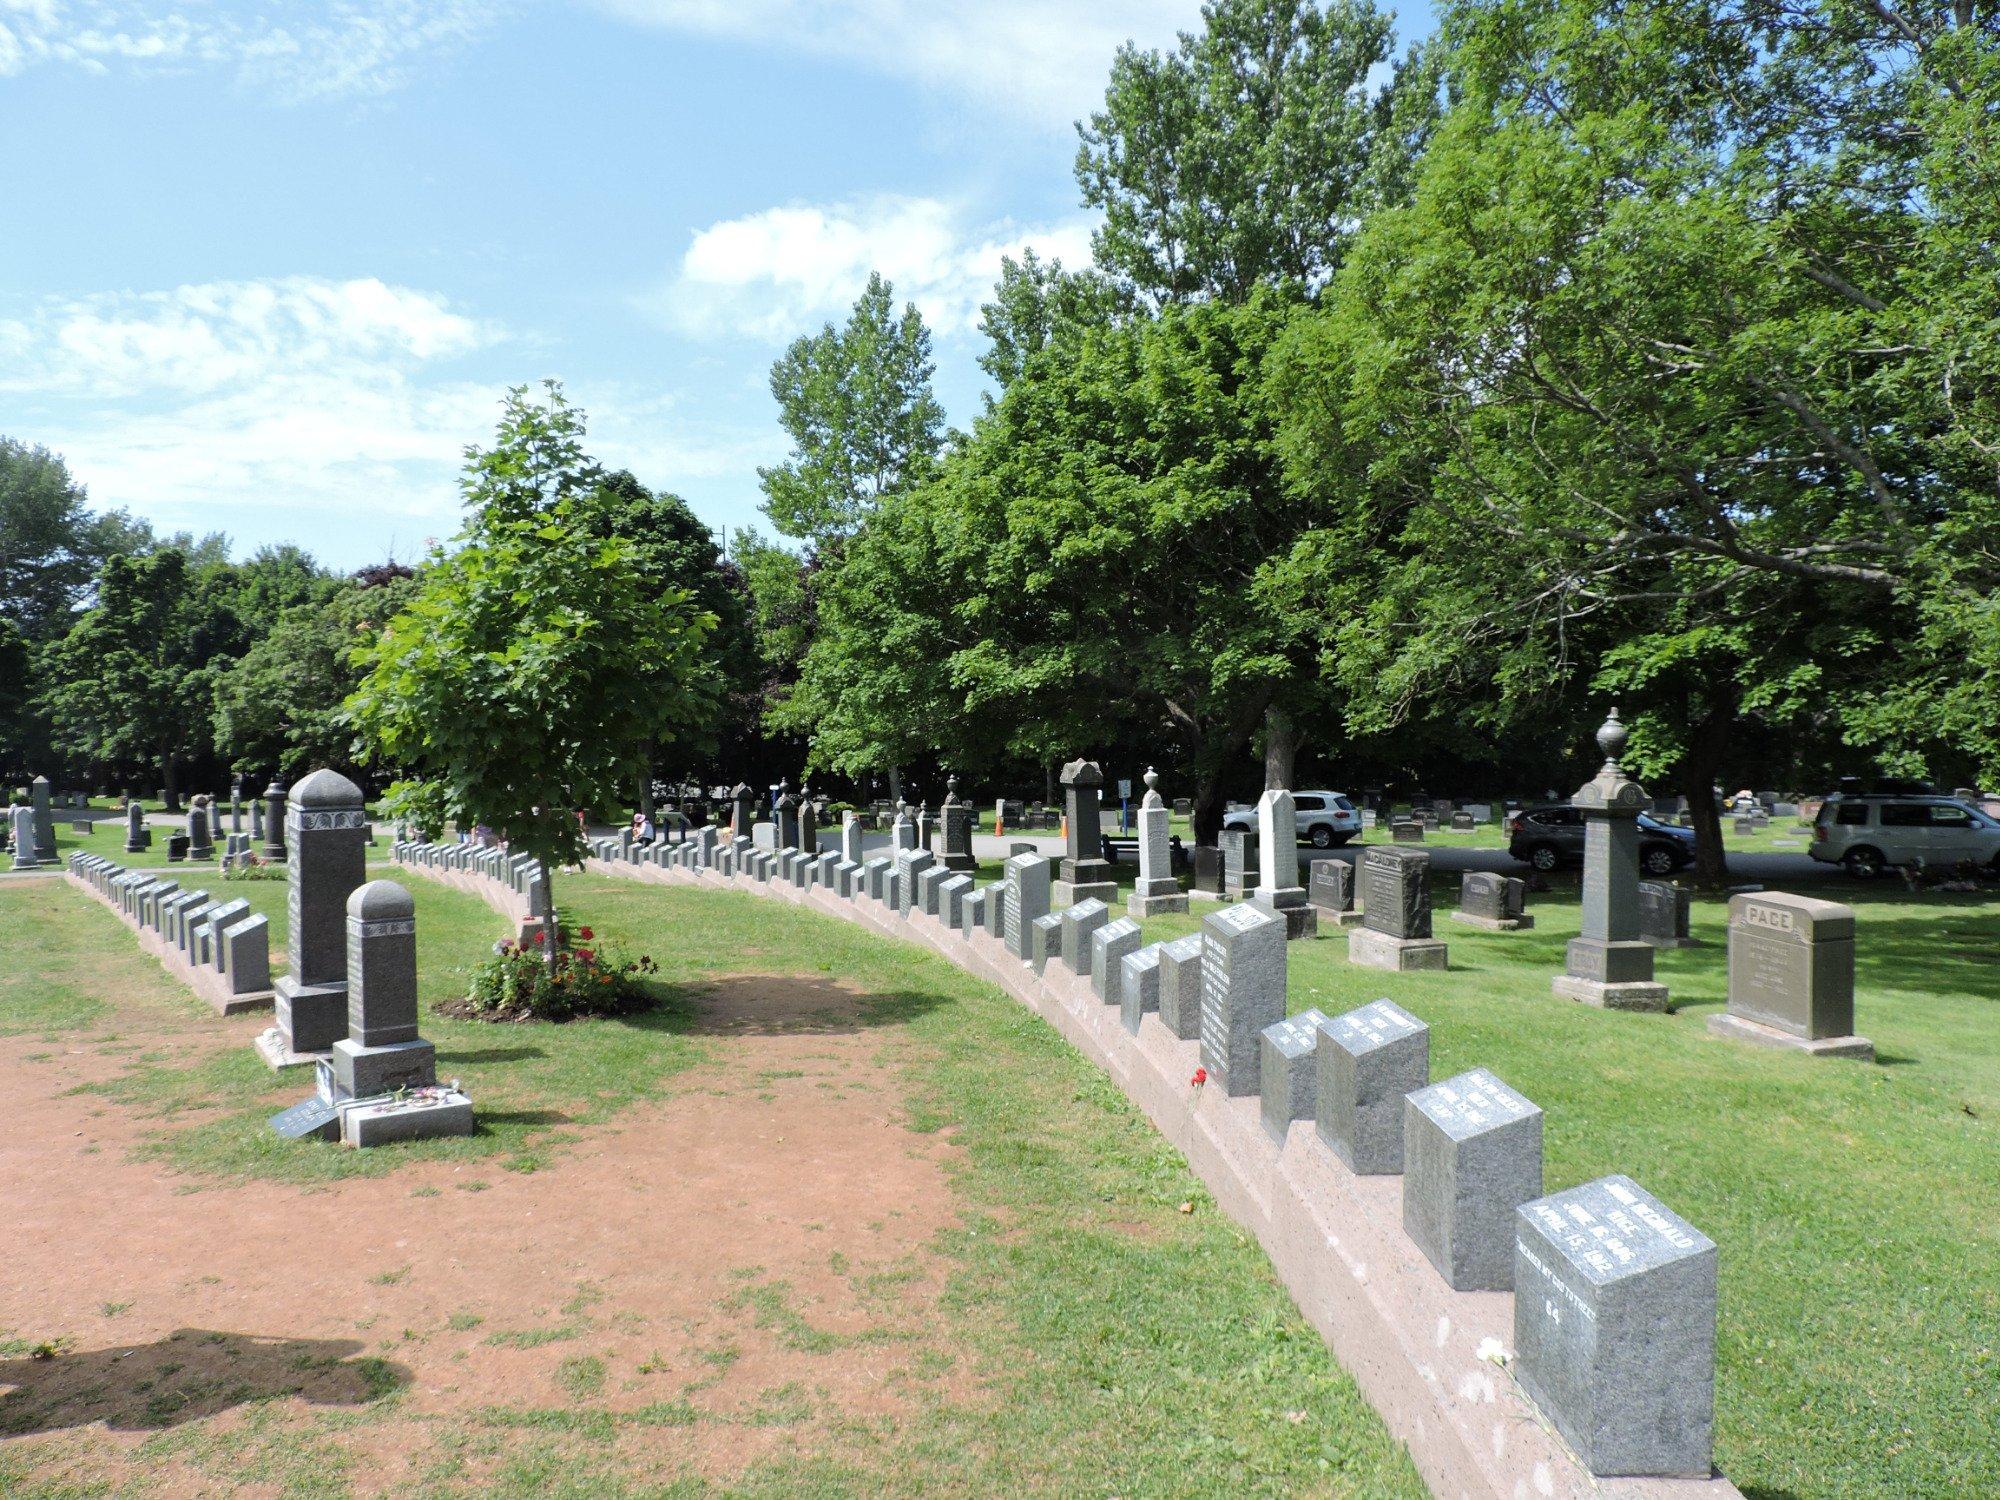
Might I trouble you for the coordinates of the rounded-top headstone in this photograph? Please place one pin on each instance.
(1080, 772)
(381, 901)
(326, 788)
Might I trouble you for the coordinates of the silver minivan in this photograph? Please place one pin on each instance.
(1867, 832)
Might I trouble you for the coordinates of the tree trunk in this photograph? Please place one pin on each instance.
(1697, 779)
(168, 784)
(646, 793)
(548, 916)
(895, 786)
(1207, 815)
(1049, 786)
(1281, 748)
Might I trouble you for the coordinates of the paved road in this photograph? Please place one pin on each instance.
(1780, 870)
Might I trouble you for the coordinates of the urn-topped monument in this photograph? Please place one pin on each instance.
(1610, 965)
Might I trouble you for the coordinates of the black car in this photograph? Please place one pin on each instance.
(1551, 836)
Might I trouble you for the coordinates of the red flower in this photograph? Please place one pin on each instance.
(1200, 1077)
(585, 933)
(541, 938)
(586, 954)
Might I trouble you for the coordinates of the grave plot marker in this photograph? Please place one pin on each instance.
(325, 828)
(1495, 902)
(1156, 890)
(1242, 992)
(1608, 965)
(1395, 930)
(1369, 1059)
(1084, 875)
(1180, 986)
(1791, 976)
(1472, 1155)
(1290, 1072)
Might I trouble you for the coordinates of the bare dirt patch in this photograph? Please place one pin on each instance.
(742, 1267)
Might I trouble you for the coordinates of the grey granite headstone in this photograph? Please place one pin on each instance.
(1242, 992)
(1331, 888)
(45, 819)
(1497, 903)
(972, 909)
(1045, 940)
(1791, 975)
(1663, 914)
(996, 911)
(1614, 1328)
(929, 881)
(246, 955)
(382, 1052)
(952, 893)
(1240, 861)
(1472, 1155)
(1395, 930)
(1028, 885)
(1290, 1067)
(1078, 923)
(1139, 986)
(1180, 986)
(276, 801)
(1109, 944)
(1369, 1058)
(1084, 876)
(325, 831)
(21, 821)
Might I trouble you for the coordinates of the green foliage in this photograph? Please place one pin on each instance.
(857, 404)
(535, 669)
(1249, 153)
(284, 704)
(51, 546)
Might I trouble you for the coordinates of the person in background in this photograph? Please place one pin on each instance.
(642, 828)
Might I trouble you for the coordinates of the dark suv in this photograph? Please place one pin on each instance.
(1551, 836)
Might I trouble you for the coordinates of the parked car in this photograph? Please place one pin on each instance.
(1326, 819)
(1552, 835)
(1867, 831)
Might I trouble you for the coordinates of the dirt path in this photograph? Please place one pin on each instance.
(742, 1261)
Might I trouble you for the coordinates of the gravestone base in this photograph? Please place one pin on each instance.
(311, 1018)
(278, 1055)
(1142, 907)
(1064, 894)
(1757, 1033)
(1673, 942)
(359, 1072)
(446, 1113)
(1630, 994)
(1378, 950)
(1301, 917)
(964, 864)
(1493, 924)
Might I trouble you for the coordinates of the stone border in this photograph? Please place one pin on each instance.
(208, 984)
(1430, 1360)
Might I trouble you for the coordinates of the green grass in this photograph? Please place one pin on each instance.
(1124, 1348)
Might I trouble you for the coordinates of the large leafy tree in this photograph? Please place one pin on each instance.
(130, 687)
(51, 545)
(1250, 153)
(857, 404)
(283, 704)
(536, 669)
(1675, 341)
(1091, 564)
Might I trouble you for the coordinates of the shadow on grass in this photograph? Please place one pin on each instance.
(780, 1005)
(487, 1118)
(483, 1055)
(191, 1374)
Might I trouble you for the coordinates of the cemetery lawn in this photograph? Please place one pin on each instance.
(836, 1219)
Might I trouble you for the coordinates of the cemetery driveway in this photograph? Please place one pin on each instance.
(758, 1243)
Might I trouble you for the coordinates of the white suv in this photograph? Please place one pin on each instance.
(1326, 819)
(1864, 833)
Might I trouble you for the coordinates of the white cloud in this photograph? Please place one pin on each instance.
(334, 48)
(1041, 60)
(774, 274)
(286, 395)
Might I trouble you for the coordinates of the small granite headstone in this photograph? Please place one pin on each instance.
(1663, 914)
(1109, 945)
(1614, 1328)
(1494, 902)
(1289, 1066)
(1472, 1154)
(1078, 923)
(1139, 986)
(1028, 882)
(1180, 986)
(1369, 1059)
(1395, 930)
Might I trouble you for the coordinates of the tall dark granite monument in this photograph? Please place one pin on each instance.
(326, 828)
(955, 830)
(274, 822)
(1083, 875)
(1609, 965)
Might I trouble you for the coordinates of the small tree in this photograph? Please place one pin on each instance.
(535, 669)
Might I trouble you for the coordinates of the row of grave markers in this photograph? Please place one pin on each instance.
(214, 937)
(1614, 1293)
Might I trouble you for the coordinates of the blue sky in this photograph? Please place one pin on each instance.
(268, 268)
